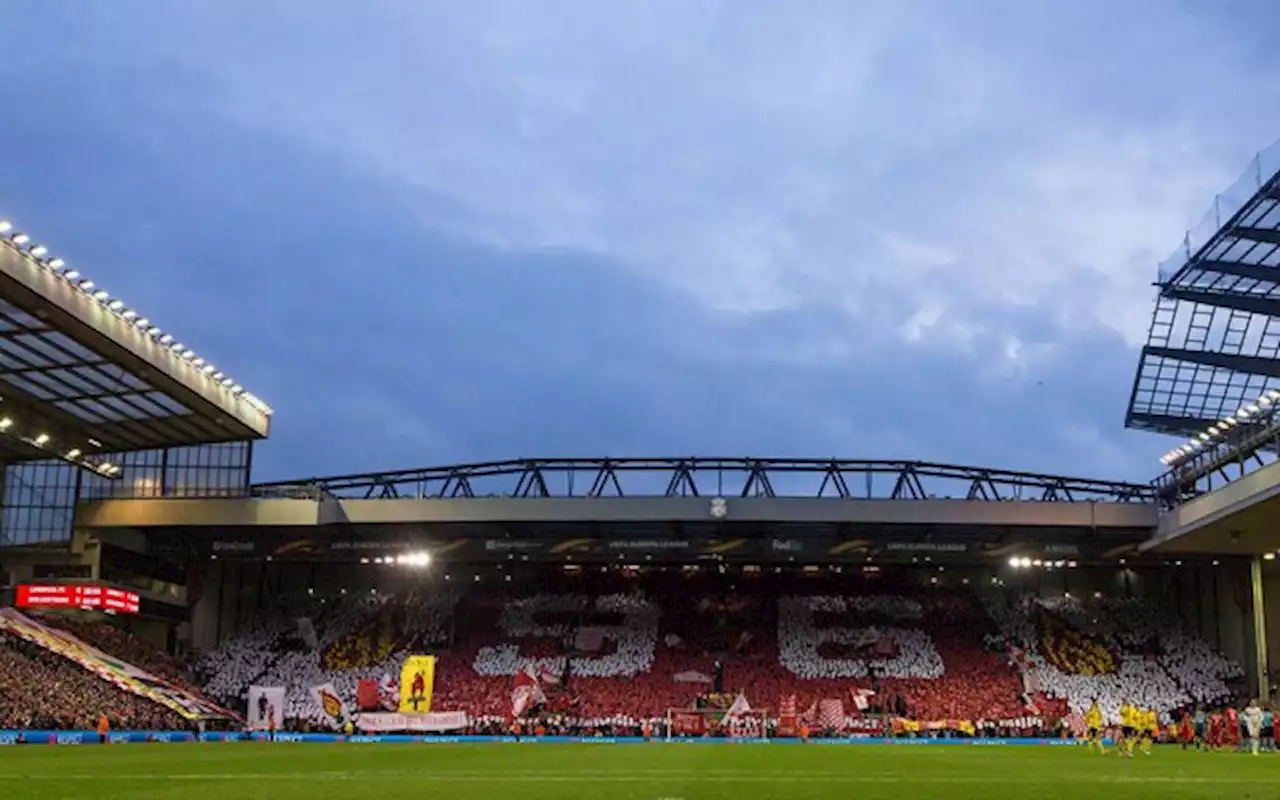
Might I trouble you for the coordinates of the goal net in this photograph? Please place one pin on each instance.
(693, 723)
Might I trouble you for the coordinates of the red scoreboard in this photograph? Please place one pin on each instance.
(86, 596)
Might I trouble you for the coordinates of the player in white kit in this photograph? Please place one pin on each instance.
(1253, 725)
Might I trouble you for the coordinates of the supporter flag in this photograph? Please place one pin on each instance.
(335, 711)
(861, 698)
(831, 714)
(266, 705)
(307, 633)
(417, 680)
(740, 706)
(368, 698)
(787, 716)
(390, 692)
(527, 692)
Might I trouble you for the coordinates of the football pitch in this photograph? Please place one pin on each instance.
(642, 772)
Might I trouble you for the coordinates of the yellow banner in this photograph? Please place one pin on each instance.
(417, 679)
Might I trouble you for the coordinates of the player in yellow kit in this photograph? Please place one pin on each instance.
(1149, 729)
(1129, 723)
(1093, 721)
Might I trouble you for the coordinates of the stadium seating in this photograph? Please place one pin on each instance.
(359, 638)
(1111, 650)
(39, 689)
(643, 645)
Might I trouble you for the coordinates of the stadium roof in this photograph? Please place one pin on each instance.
(1214, 341)
(82, 373)
(714, 477)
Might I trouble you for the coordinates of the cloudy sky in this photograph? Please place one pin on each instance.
(428, 232)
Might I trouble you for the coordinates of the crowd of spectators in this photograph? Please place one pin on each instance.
(39, 689)
(1114, 651)
(122, 645)
(659, 642)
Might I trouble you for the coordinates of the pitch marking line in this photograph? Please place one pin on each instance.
(694, 777)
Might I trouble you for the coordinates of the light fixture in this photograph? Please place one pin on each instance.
(42, 439)
(40, 252)
(73, 453)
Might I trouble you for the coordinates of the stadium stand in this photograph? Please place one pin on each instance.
(1079, 650)
(39, 689)
(639, 647)
(636, 647)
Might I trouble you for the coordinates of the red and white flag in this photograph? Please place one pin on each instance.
(527, 692)
(831, 714)
(861, 698)
(547, 676)
(740, 706)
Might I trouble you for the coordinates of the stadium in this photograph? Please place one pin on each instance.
(155, 594)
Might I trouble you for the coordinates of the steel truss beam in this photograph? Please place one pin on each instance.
(717, 477)
(1255, 272)
(1252, 304)
(1264, 235)
(1254, 365)
(1246, 447)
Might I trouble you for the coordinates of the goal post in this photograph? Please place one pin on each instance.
(693, 723)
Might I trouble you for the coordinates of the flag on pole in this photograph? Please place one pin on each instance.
(527, 692)
(546, 675)
(740, 706)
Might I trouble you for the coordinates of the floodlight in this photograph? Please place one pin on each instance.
(5, 226)
(42, 439)
(20, 238)
(38, 251)
(55, 263)
(73, 453)
(165, 338)
(115, 305)
(71, 274)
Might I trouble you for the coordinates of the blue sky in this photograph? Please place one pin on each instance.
(432, 232)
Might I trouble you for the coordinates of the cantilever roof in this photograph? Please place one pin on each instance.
(90, 373)
(1214, 343)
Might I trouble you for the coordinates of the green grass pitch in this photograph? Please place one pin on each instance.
(621, 772)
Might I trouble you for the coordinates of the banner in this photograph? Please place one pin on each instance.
(266, 706)
(688, 723)
(422, 723)
(417, 680)
(113, 670)
(326, 696)
(368, 695)
(787, 716)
